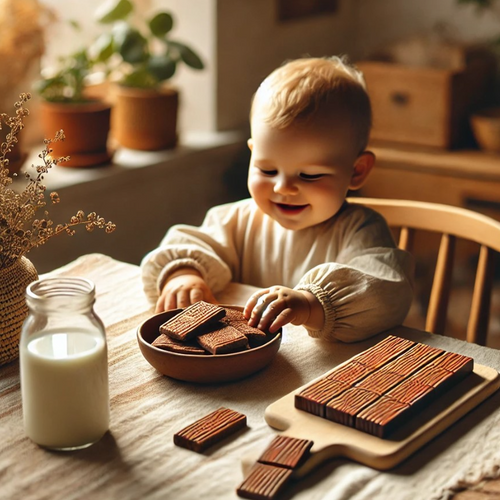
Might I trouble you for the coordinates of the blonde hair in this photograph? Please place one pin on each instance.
(300, 89)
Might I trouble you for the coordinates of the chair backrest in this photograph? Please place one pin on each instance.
(452, 223)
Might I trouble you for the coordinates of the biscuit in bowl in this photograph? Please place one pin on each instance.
(207, 368)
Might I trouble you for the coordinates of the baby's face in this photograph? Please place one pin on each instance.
(300, 175)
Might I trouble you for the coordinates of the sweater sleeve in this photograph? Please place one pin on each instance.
(369, 288)
(210, 249)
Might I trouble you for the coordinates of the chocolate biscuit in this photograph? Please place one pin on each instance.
(380, 381)
(225, 339)
(236, 319)
(285, 451)
(410, 391)
(384, 351)
(344, 408)
(314, 397)
(350, 372)
(169, 344)
(381, 417)
(456, 363)
(210, 429)
(264, 482)
(413, 359)
(192, 321)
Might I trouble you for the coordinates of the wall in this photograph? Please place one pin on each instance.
(385, 21)
(143, 201)
(241, 42)
(251, 43)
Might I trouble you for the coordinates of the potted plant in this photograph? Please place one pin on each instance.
(66, 104)
(141, 62)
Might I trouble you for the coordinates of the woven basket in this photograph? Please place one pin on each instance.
(13, 309)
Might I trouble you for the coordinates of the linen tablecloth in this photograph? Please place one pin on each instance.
(138, 460)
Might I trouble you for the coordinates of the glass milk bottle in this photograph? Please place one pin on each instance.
(64, 366)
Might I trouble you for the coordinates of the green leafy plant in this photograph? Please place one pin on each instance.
(141, 57)
(67, 84)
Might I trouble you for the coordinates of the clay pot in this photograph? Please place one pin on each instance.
(145, 119)
(86, 127)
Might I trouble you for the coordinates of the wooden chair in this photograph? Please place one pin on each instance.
(452, 223)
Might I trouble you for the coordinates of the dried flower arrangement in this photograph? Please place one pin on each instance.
(20, 231)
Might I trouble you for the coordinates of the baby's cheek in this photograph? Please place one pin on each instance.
(260, 191)
(328, 198)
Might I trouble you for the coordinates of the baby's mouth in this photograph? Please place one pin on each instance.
(291, 209)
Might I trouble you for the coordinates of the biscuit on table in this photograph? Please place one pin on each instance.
(264, 482)
(210, 429)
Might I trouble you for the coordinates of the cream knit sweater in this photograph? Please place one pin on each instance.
(349, 262)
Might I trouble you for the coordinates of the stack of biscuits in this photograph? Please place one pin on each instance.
(204, 328)
(384, 386)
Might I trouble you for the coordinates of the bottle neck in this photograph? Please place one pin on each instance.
(61, 295)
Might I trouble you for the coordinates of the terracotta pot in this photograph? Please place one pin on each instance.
(13, 309)
(145, 119)
(86, 127)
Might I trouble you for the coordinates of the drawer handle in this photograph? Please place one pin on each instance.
(400, 98)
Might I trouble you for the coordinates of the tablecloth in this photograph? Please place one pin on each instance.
(138, 460)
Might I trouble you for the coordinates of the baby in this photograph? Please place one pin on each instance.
(320, 262)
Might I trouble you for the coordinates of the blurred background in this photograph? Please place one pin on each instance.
(430, 66)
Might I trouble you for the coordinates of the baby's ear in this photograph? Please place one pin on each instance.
(250, 143)
(362, 168)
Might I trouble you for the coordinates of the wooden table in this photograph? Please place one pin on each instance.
(138, 460)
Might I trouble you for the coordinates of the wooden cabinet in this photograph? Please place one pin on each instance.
(430, 106)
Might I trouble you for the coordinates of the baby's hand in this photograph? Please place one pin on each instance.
(183, 290)
(271, 308)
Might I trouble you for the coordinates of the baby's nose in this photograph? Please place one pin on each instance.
(285, 185)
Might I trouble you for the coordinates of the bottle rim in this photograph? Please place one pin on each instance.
(69, 286)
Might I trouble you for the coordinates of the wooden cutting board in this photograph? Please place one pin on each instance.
(336, 440)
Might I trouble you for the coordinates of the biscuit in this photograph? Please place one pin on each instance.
(224, 339)
(192, 321)
(210, 429)
(264, 482)
(169, 344)
(285, 451)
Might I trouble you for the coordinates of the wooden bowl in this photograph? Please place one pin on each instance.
(209, 369)
(486, 128)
